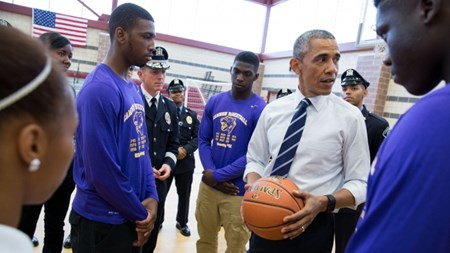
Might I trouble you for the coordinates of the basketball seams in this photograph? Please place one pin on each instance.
(281, 186)
(268, 228)
(274, 205)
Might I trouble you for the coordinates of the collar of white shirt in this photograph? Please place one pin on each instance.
(317, 102)
(149, 97)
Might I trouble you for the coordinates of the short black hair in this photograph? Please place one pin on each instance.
(125, 16)
(248, 57)
(54, 40)
(301, 45)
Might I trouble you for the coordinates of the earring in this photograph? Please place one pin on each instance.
(34, 165)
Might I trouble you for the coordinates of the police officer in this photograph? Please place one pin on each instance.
(162, 127)
(184, 170)
(354, 88)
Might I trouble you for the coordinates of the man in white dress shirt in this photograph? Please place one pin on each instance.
(331, 163)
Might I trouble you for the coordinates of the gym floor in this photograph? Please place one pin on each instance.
(170, 240)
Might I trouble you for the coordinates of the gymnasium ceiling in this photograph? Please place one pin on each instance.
(264, 26)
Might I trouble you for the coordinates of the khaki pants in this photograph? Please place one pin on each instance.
(214, 209)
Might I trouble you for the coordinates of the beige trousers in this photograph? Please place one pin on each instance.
(216, 209)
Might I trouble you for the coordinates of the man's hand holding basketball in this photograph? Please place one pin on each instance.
(300, 221)
(251, 178)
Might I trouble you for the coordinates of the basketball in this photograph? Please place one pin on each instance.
(266, 203)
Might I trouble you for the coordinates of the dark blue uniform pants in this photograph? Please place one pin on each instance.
(183, 182)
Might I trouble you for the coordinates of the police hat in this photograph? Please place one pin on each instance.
(175, 85)
(283, 92)
(159, 59)
(352, 77)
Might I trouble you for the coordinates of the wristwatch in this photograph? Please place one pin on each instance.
(331, 203)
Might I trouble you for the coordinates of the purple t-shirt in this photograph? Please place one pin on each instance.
(407, 207)
(112, 167)
(226, 127)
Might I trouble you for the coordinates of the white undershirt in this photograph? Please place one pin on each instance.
(149, 97)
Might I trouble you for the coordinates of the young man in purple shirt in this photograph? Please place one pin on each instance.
(407, 207)
(225, 130)
(116, 201)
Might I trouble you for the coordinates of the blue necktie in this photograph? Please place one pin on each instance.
(290, 142)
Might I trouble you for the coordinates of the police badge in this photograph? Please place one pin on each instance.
(189, 120)
(167, 118)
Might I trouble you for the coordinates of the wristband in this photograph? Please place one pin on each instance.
(331, 202)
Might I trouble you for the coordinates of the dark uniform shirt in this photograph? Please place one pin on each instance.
(188, 124)
(377, 130)
(163, 133)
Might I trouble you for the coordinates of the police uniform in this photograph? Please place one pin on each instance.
(183, 173)
(163, 139)
(377, 129)
(163, 133)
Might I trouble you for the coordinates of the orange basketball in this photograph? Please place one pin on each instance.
(266, 203)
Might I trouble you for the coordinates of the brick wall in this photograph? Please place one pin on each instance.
(378, 75)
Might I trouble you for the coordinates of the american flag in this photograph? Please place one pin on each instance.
(71, 27)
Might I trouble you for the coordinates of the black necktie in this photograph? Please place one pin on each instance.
(290, 142)
(153, 108)
(179, 113)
